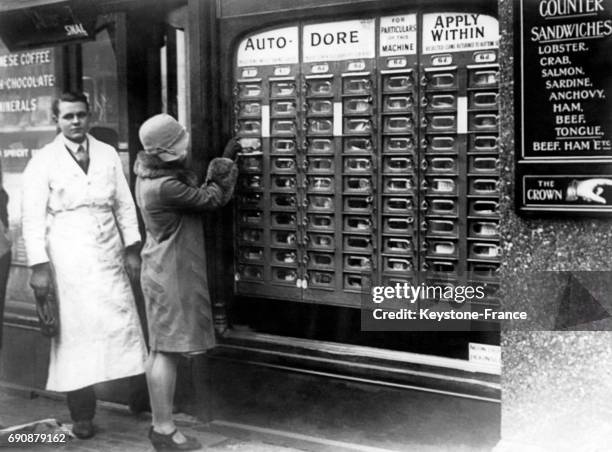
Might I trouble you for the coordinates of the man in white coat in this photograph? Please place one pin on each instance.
(82, 239)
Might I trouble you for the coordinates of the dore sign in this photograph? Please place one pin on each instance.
(563, 107)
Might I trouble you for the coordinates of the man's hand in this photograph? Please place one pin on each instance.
(132, 262)
(590, 190)
(40, 281)
(232, 148)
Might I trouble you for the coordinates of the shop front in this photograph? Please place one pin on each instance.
(370, 136)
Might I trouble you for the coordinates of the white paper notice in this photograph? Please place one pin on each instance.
(346, 40)
(398, 35)
(459, 32)
(278, 46)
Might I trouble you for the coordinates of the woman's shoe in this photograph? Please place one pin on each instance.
(163, 443)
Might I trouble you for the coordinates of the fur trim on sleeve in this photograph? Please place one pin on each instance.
(223, 172)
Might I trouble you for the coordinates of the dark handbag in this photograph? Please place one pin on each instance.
(48, 314)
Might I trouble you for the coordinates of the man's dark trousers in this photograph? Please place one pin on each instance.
(82, 404)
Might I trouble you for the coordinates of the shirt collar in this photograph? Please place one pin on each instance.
(73, 147)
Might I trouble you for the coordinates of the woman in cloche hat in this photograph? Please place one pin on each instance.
(173, 275)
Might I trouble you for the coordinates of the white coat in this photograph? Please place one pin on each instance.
(81, 223)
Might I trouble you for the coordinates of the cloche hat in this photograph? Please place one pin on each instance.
(163, 136)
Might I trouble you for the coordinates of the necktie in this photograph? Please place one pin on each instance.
(82, 158)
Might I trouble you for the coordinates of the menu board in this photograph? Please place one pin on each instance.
(563, 108)
(28, 85)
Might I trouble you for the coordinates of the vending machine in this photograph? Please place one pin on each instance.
(369, 156)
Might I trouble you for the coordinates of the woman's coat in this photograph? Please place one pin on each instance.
(173, 277)
(81, 223)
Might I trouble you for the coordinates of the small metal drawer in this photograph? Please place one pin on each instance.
(440, 185)
(441, 227)
(249, 109)
(354, 223)
(283, 183)
(283, 164)
(396, 205)
(319, 202)
(440, 123)
(484, 122)
(441, 165)
(395, 185)
(483, 164)
(320, 126)
(352, 282)
(484, 250)
(439, 101)
(321, 279)
(251, 254)
(283, 238)
(398, 124)
(320, 107)
(283, 201)
(284, 257)
(283, 219)
(357, 185)
(323, 87)
(284, 275)
(356, 144)
(358, 204)
(283, 127)
(484, 229)
(357, 126)
(483, 186)
(478, 270)
(248, 235)
(250, 200)
(323, 261)
(250, 164)
(357, 164)
(397, 245)
(398, 144)
(397, 264)
(321, 241)
(353, 262)
(483, 207)
(398, 225)
(320, 165)
(250, 273)
(483, 78)
(440, 206)
(283, 89)
(441, 248)
(283, 145)
(357, 106)
(320, 146)
(250, 181)
(321, 222)
(483, 100)
(438, 144)
(283, 108)
(249, 90)
(320, 183)
(484, 143)
(433, 265)
(398, 83)
(398, 103)
(439, 80)
(356, 85)
(251, 216)
(249, 127)
(357, 243)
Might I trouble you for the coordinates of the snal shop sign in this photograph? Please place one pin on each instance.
(563, 107)
(46, 23)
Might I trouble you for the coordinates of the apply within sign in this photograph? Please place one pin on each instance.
(45, 23)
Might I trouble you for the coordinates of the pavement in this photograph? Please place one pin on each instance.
(117, 430)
